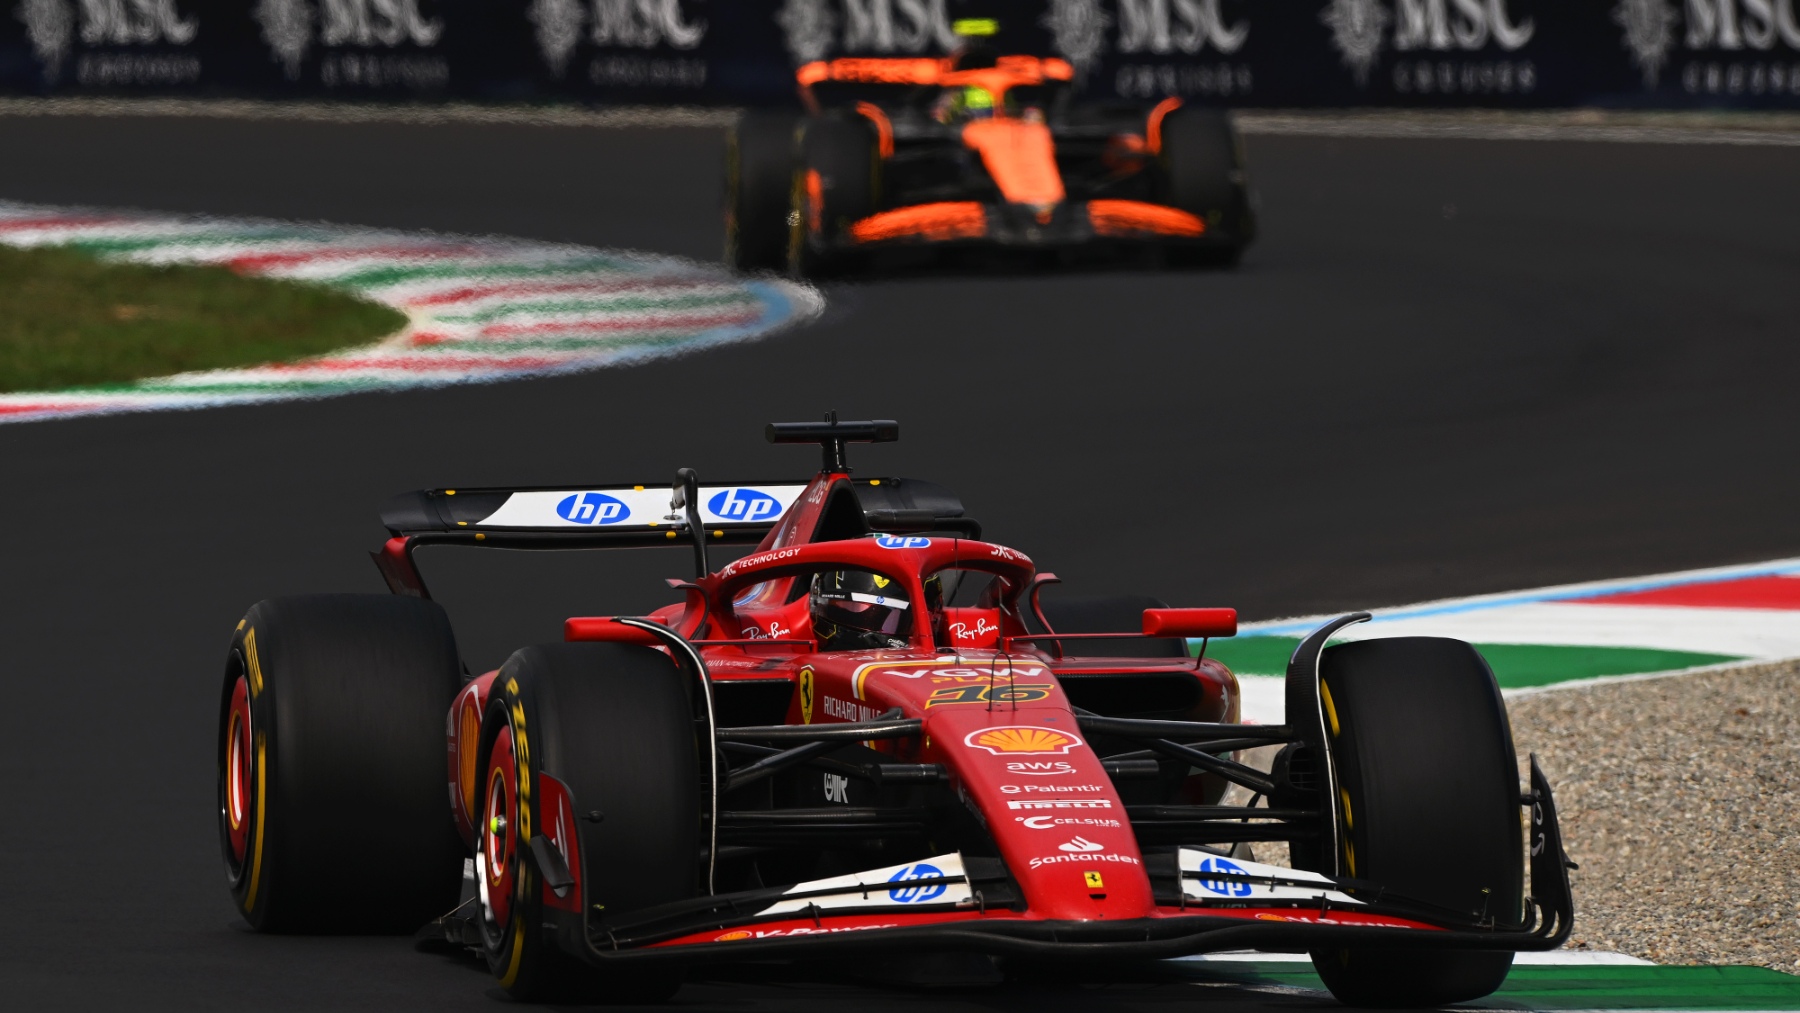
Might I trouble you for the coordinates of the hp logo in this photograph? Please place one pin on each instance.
(592, 508)
(899, 542)
(1223, 887)
(916, 894)
(743, 505)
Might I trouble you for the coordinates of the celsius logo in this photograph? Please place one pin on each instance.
(1223, 887)
(897, 542)
(591, 508)
(743, 505)
(916, 894)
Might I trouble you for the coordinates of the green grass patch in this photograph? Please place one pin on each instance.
(68, 319)
(1515, 666)
(1576, 987)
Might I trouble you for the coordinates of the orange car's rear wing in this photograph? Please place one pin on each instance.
(1008, 72)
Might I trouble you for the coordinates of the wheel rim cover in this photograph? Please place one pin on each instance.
(499, 868)
(236, 806)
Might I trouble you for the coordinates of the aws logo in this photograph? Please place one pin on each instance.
(743, 505)
(592, 508)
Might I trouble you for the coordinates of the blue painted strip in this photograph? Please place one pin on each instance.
(1571, 593)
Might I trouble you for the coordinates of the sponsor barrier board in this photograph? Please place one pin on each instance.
(1269, 53)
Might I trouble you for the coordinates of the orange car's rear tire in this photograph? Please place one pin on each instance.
(759, 168)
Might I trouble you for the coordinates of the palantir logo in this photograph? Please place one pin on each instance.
(1219, 885)
(591, 508)
(916, 894)
(744, 505)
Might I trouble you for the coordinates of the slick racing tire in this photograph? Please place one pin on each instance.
(1203, 173)
(1430, 810)
(759, 174)
(837, 182)
(614, 726)
(331, 764)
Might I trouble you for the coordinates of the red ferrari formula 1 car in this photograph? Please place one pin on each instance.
(874, 734)
(977, 150)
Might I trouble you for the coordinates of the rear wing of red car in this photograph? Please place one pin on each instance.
(639, 516)
(595, 515)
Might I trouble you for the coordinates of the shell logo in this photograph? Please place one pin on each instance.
(732, 937)
(1022, 740)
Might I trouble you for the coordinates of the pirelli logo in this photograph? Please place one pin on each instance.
(1059, 803)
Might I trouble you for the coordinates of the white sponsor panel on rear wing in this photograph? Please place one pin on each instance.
(931, 882)
(1211, 877)
(640, 507)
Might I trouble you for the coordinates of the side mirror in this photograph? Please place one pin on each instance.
(1190, 622)
(602, 629)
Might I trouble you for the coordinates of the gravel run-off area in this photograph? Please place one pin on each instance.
(1679, 797)
(1680, 800)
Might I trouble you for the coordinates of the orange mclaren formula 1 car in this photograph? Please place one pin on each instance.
(977, 150)
(874, 742)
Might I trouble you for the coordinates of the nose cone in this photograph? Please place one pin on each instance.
(1021, 158)
(1051, 808)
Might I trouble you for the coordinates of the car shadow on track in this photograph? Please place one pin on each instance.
(925, 262)
(848, 985)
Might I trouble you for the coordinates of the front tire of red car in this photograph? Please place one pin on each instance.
(331, 764)
(1429, 809)
(613, 725)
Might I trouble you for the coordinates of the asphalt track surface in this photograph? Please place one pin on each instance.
(1449, 367)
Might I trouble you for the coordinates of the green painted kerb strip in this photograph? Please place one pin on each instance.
(1580, 987)
(1516, 666)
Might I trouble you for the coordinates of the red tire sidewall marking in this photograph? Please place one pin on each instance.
(240, 775)
(500, 797)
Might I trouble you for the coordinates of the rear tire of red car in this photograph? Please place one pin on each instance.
(1203, 173)
(1430, 810)
(837, 182)
(331, 764)
(759, 175)
(614, 724)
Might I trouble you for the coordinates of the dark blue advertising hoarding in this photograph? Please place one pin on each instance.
(1269, 53)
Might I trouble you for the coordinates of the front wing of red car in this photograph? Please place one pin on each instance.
(1204, 902)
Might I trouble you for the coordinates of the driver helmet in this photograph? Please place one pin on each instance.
(856, 610)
